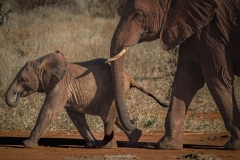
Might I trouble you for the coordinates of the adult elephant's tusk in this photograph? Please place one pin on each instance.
(120, 54)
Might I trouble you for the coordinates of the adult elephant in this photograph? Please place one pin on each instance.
(208, 32)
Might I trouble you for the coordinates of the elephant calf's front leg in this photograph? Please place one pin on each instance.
(47, 114)
(44, 119)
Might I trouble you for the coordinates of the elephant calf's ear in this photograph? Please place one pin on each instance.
(53, 67)
(184, 18)
(57, 51)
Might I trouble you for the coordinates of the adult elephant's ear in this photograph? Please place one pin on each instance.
(183, 18)
(52, 69)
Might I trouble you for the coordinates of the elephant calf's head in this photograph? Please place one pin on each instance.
(40, 75)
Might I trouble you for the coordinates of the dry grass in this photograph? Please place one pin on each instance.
(43, 30)
(95, 8)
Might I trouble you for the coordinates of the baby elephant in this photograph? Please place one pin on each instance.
(81, 88)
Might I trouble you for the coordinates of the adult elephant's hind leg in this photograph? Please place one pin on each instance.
(188, 80)
(219, 78)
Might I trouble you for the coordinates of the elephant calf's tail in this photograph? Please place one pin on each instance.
(135, 85)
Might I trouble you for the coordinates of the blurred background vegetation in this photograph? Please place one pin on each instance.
(82, 30)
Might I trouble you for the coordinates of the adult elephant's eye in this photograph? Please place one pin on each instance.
(24, 80)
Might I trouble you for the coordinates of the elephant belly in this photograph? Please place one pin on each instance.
(81, 93)
(90, 102)
(82, 101)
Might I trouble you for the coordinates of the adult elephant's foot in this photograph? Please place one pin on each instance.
(91, 144)
(232, 145)
(29, 143)
(169, 143)
(134, 136)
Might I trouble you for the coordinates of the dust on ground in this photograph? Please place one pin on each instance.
(69, 145)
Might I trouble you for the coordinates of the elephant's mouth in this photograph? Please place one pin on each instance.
(23, 93)
(27, 91)
(40, 88)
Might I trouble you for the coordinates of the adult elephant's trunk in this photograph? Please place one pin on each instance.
(125, 35)
(12, 97)
(117, 67)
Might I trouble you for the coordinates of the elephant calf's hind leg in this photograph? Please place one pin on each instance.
(109, 141)
(80, 123)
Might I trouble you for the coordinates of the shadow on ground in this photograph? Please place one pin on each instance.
(76, 143)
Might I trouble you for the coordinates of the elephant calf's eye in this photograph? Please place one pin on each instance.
(23, 80)
(139, 16)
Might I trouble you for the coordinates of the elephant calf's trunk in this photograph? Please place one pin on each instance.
(12, 99)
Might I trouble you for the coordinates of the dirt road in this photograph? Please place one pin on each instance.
(68, 145)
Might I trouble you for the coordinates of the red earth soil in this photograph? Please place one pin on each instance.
(69, 145)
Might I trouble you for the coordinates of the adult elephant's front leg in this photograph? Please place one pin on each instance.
(188, 80)
(50, 110)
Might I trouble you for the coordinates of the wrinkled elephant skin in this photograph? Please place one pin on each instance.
(81, 88)
(208, 32)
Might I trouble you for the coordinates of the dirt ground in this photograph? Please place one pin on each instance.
(68, 145)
